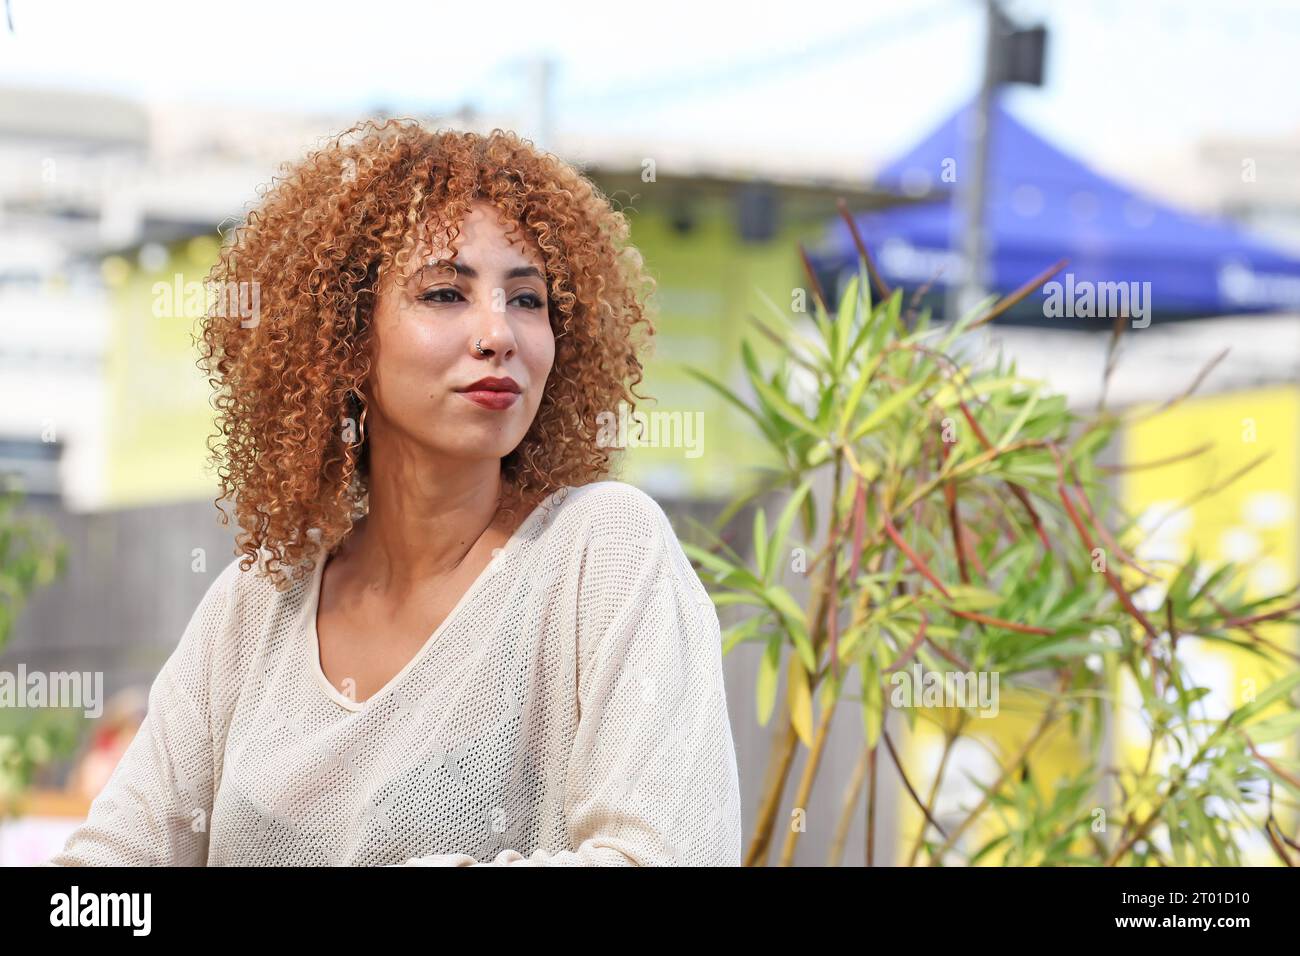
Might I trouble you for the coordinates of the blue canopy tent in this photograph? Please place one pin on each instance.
(1042, 206)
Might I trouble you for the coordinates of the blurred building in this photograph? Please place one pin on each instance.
(1250, 179)
(104, 198)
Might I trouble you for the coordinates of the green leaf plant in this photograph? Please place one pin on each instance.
(31, 556)
(969, 528)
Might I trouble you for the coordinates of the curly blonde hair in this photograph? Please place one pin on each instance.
(318, 244)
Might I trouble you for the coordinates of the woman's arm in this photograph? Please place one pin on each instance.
(155, 808)
(652, 776)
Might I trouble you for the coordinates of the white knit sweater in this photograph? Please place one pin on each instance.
(569, 711)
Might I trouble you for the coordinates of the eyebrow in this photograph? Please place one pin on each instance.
(469, 272)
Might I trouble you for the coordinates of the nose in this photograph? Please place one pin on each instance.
(491, 333)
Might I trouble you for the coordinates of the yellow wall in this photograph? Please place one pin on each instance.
(1251, 522)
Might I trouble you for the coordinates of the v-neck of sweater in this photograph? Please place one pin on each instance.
(499, 560)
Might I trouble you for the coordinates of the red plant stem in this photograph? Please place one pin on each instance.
(1020, 293)
(1170, 626)
(974, 425)
(833, 615)
(902, 774)
(911, 555)
(881, 288)
(1101, 528)
(954, 522)
(1148, 645)
(1273, 840)
(1243, 621)
(1255, 635)
(1023, 497)
(859, 526)
(840, 528)
(954, 519)
(1015, 489)
(911, 649)
(1272, 766)
(998, 622)
(971, 552)
(948, 655)
(1114, 582)
(813, 280)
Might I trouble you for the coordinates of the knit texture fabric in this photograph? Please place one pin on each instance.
(570, 710)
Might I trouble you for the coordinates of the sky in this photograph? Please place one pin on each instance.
(1126, 79)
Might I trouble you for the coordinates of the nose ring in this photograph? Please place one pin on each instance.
(479, 347)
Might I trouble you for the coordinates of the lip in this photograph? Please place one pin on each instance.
(496, 393)
(492, 384)
(487, 398)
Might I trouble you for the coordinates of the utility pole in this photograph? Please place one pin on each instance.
(541, 77)
(972, 171)
(1011, 55)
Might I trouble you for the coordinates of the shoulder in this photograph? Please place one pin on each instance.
(616, 510)
(239, 617)
(636, 584)
(618, 522)
(238, 600)
(629, 543)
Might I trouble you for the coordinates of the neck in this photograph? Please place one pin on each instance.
(425, 514)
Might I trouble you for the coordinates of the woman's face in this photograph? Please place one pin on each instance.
(424, 333)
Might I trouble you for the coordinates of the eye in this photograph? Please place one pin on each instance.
(432, 295)
(529, 300)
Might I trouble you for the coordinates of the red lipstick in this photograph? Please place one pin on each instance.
(492, 393)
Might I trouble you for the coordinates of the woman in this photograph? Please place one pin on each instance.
(449, 639)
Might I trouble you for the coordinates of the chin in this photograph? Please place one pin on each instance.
(476, 444)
